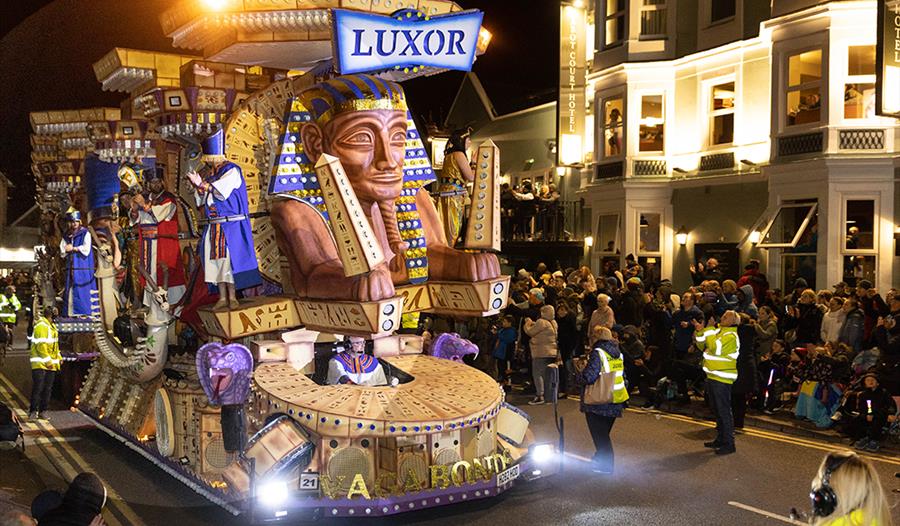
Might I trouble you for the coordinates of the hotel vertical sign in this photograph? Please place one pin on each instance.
(887, 71)
(572, 85)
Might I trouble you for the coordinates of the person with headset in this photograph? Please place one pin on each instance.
(847, 492)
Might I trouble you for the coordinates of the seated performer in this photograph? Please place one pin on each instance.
(229, 258)
(76, 247)
(156, 219)
(354, 366)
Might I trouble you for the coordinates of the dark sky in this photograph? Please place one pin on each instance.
(48, 47)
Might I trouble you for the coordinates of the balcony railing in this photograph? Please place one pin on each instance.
(544, 221)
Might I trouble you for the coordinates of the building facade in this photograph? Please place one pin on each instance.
(748, 128)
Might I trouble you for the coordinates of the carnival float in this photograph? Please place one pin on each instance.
(236, 245)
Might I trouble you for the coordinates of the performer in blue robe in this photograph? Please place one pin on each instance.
(76, 247)
(229, 257)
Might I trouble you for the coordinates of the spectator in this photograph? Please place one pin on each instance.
(632, 269)
(45, 362)
(756, 279)
(721, 347)
(873, 406)
(504, 348)
(872, 305)
(636, 358)
(887, 337)
(543, 334)
(568, 341)
(710, 272)
(833, 320)
(82, 504)
(745, 302)
(683, 321)
(766, 329)
(805, 319)
(603, 316)
(818, 398)
(631, 311)
(726, 297)
(746, 384)
(856, 496)
(851, 332)
(604, 358)
(841, 289)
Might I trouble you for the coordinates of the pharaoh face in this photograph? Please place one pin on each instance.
(371, 147)
(224, 372)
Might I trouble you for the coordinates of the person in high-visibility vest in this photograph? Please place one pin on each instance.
(9, 306)
(720, 346)
(45, 362)
(605, 357)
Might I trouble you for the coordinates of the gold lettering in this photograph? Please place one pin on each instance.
(455, 475)
(411, 482)
(358, 487)
(382, 491)
(331, 487)
(482, 471)
(440, 477)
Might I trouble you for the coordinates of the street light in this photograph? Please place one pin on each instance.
(754, 237)
(589, 241)
(681, 236)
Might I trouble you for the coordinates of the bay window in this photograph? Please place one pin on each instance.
(859, 89)
(652, 124)
(804, 84)
(721, 126)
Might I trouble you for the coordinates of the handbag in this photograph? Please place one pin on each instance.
(601, 391)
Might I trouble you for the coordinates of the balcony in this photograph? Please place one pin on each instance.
(533, 232)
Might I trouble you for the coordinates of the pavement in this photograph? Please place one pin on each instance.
(663, 476)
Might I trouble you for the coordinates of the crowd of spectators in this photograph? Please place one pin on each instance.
(532, 212)
(831, 357)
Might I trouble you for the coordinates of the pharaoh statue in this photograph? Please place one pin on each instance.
(363, 121)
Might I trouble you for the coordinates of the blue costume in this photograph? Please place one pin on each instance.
(228, 233)
(80, 281)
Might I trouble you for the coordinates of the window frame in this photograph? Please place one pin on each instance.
(821, 83)
(606, 19)
(650, 253)
(845, 199)
(856, 79)
(662, 97)
(600, 249)
(722, 20)
(654, 7)
(709, 86)
(603, 127)
(814, 206)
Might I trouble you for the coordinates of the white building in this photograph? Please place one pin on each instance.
(748, 124)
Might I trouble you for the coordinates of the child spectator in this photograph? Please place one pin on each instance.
(833, 320)
(504, 348)
(873, 406)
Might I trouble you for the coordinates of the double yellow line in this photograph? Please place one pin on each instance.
(66, 460)
(770, 435)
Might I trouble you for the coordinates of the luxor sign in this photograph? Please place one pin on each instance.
(365, 42)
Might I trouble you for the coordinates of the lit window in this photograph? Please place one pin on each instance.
(721, 113)
(653, 18)
(792, 226)
(721, 10)
(653, 123)
(612, 127)
(859, 90)
(804, 98)
(607, 238)
(860, 241)
(614, 22)
(649, 233)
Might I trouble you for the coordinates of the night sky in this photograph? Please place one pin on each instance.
(48, 47)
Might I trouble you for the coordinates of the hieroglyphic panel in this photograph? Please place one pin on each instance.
(254, 316)
(357, 245)
(415, 298)
(454, 296)
(483, 229)
(359, 318)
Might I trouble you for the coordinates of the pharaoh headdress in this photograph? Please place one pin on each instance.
(294, 173)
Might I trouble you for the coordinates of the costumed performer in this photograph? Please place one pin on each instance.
(452, 189)
(156, 219)
(76, 247)
(354, 366)
(229, 258)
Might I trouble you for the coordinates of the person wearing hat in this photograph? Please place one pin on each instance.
(156, 218)
(841, 289)
(229, 257)
(452, 194)
(873, 406)
(75, 246)
(756, 279)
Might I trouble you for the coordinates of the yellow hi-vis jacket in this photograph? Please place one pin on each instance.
(45, 346)
(720, 346)
(617, 365)
(9, 305)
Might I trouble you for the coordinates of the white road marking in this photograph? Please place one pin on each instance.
(765, 513)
